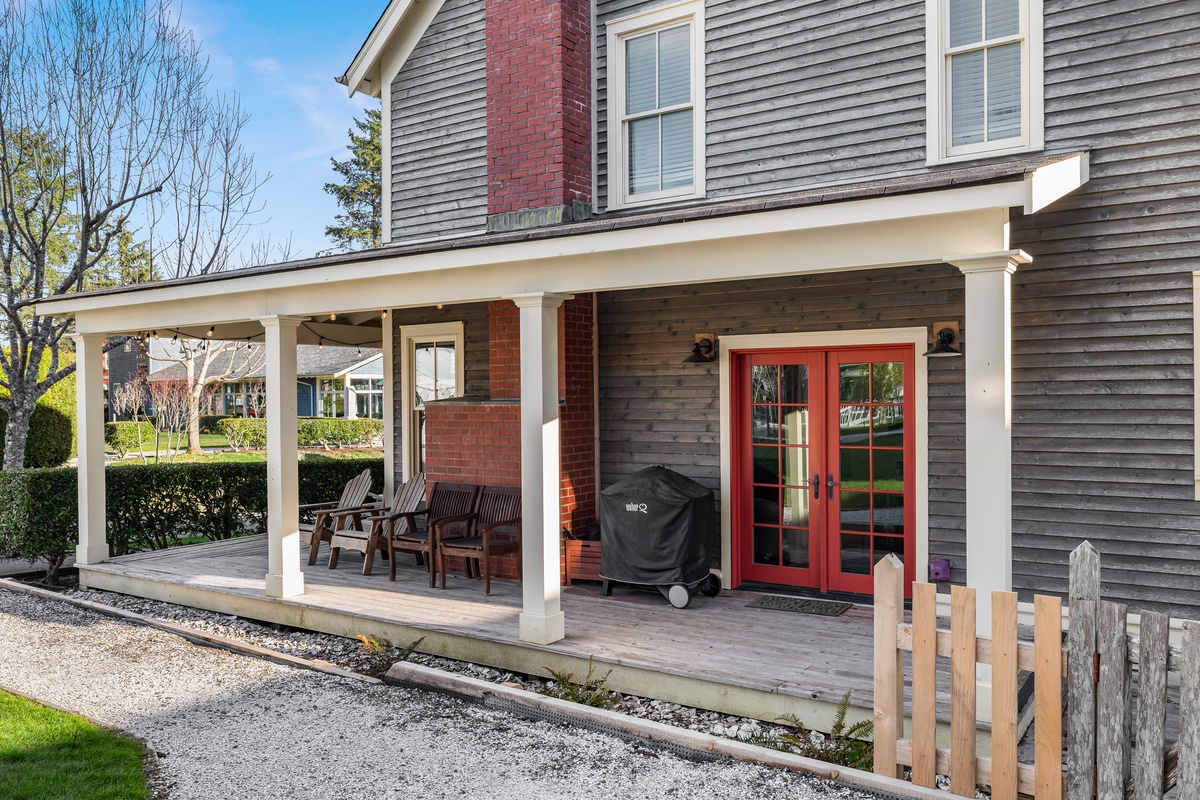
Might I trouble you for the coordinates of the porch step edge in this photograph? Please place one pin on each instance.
(424, 677)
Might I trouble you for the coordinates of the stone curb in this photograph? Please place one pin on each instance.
(191, 634)
(428, 678)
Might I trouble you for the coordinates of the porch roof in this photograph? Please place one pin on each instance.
(812, 230)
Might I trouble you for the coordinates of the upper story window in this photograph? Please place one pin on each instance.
(984, 77)
(656, 105)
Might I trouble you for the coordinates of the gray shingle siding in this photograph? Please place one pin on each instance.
(439, 129)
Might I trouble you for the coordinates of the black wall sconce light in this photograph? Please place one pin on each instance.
(945, 341)
(704, 351)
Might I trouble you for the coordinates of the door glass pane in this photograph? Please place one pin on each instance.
(766, 424)
(854, 383)
(795, 548)
(766, 545)
(856, 555)
(854, 423)
(889, 513)
(795, 465)
(766, 465)
(795, 424)
(794, 383)
(764, 384)
(889, 470)
(856, 511)
(887, 382)
(796, 507)
(889, 426)
(856, 468)
(766, 505)
(889, 544)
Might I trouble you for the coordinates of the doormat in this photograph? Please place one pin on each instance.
(803, 605)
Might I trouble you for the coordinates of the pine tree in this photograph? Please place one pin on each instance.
(361, 226)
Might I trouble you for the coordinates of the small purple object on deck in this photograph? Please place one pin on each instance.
(939, 570)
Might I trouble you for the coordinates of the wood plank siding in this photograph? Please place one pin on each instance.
(656, 410)
(1104, 443)
(439, 129)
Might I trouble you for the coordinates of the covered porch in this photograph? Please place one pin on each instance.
(955, 220)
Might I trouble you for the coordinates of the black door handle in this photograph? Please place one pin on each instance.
(830, 484)
(816, 486)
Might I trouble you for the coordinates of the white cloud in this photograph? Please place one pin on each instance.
(265, 66)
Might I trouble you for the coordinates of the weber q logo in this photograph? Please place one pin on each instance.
(636, 507)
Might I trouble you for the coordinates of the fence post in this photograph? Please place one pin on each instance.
(1112, 707)
(1153, 649)
(924, 685)
(1047, 677)
(889, 665)
(963, 710)
(1004, 696)
(1081, 686)
(1189, 712)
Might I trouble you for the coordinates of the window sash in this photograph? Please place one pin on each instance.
(986, 127)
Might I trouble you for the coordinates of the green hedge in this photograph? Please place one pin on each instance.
(51, 438)
(155, 506)
(122, 437)
(209, 422)
(328, 432)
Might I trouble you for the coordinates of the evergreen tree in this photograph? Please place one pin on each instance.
(361, 225)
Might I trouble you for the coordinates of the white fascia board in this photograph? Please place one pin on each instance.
(577, 263)
(391, 42)
(1049, 183)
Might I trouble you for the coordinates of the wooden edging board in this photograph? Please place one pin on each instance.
(407, 674)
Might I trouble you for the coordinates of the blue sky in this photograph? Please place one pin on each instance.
(282, 57)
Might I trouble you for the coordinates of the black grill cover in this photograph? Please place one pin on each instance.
(657, 527)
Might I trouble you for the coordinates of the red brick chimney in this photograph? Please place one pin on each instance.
(539, 112)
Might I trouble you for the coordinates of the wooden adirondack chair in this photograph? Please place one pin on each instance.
(324, 522)
(446, 500)
(495, 529)
(369, 536)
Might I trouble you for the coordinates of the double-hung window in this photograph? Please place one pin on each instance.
(984, 77)
(656, 106)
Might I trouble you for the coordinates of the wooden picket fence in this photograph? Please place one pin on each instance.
(1097, 663)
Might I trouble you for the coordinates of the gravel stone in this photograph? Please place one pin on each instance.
(230, 726)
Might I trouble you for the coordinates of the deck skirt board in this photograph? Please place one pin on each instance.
(716, 654)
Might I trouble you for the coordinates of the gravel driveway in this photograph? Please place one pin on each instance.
(229, 726)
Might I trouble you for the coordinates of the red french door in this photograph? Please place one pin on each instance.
(823, 450)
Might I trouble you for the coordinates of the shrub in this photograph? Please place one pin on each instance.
(51, 439)
(155, 506)
(209, 422)
(327, 432)
(123, 437)
(244, 433)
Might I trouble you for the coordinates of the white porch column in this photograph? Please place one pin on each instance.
(284, 578)
(542, 620)
(89, 399)
(389, 407)
(988, 352)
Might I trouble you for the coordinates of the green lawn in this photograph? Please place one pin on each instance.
(207, 440)
(46, 755)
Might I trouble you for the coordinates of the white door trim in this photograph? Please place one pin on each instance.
(409, 336)
(918, 337)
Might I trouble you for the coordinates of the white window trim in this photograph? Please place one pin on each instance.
(410, 335)
(937, 107)
(617, 31)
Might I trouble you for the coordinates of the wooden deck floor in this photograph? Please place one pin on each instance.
(717, 654)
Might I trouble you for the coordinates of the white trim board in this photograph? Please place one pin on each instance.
(918, 337)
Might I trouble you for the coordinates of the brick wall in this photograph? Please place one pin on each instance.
(539, 139)
(480, 441)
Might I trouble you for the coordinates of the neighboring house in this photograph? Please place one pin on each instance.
(579, 192)
(330, 381)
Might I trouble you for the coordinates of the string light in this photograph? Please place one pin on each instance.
(440, 306)
(175, 339)
(211, 328)
(332, 317)
(360, 352)
(384, 314)
(320, 344)
(155, 335)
